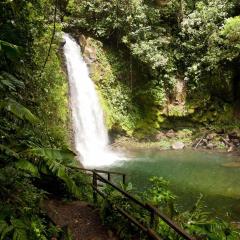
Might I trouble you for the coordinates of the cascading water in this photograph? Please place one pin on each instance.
(90, 134)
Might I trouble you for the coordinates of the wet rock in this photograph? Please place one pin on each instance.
(233, 135)
(159, 136)
(171, 134)
(62, 43)
(235, 141)
(83, 41)
(178, 145)
(210, 146)
(230, 149)
(89, 52)
(211, 136)
(204, 142)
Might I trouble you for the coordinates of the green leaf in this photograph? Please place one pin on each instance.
(61, 155)
(8, 151)
(10, 50)
(3, 225)
(28, 166)
(20, 229)
(9, 81)
(18, 110)
(5, 231)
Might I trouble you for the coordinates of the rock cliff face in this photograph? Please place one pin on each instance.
(89, 51)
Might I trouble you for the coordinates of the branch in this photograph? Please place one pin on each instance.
(52, 38)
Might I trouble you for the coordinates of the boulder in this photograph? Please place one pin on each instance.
(204, 142)
(90, 54)
(178, 145)
(170, 134)
(230, 149)
(159, 136)
(235, 141)
(83, 41)
(211, 136)
(210, 146)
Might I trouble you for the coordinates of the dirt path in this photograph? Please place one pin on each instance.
(82, 219)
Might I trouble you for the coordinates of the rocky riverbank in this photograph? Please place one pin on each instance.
(185, 138)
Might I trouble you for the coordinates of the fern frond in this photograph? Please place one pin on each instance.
(20, 229)
(9, 81)
(18, 110)
(8, 151)
(10, 50)
(27, 166)
(61, 155)
(3, 225)
(72, 187)
(55, 159)
(6, 231)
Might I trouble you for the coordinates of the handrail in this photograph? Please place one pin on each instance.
(169, 222)
(154, 212)
(120, 190)
(109, 173)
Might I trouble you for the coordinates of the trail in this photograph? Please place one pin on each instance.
(81, 218)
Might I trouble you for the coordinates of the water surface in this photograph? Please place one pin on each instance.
(190, 173)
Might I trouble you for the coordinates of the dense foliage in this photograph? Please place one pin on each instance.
(33, 108)
(196, 220)
(150, 49)
(189, 51)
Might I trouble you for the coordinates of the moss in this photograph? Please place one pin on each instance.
(137, 106)
(51, 94)
(111, 75)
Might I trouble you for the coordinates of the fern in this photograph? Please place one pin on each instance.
(18, 110)
(8, 81)
(61, 155)
(5, 229)
(10, 50)
(8, 151)
(28, 166)
(20, 229)
(55, 160)
(3, 225)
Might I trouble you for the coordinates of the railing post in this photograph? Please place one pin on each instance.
(153, 217)
(124, 179)
(109, 176)
(152, 220)
(95, 186)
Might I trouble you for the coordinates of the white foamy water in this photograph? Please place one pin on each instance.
(90, 133)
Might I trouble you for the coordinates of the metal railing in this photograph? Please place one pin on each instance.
(153, 211)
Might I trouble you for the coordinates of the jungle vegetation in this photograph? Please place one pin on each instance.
(180, 60)
(159, 43)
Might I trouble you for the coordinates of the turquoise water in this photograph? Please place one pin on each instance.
(190, 173)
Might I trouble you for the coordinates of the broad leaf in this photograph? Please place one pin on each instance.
(61, 155)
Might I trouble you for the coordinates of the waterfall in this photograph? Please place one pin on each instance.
(90, 133)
